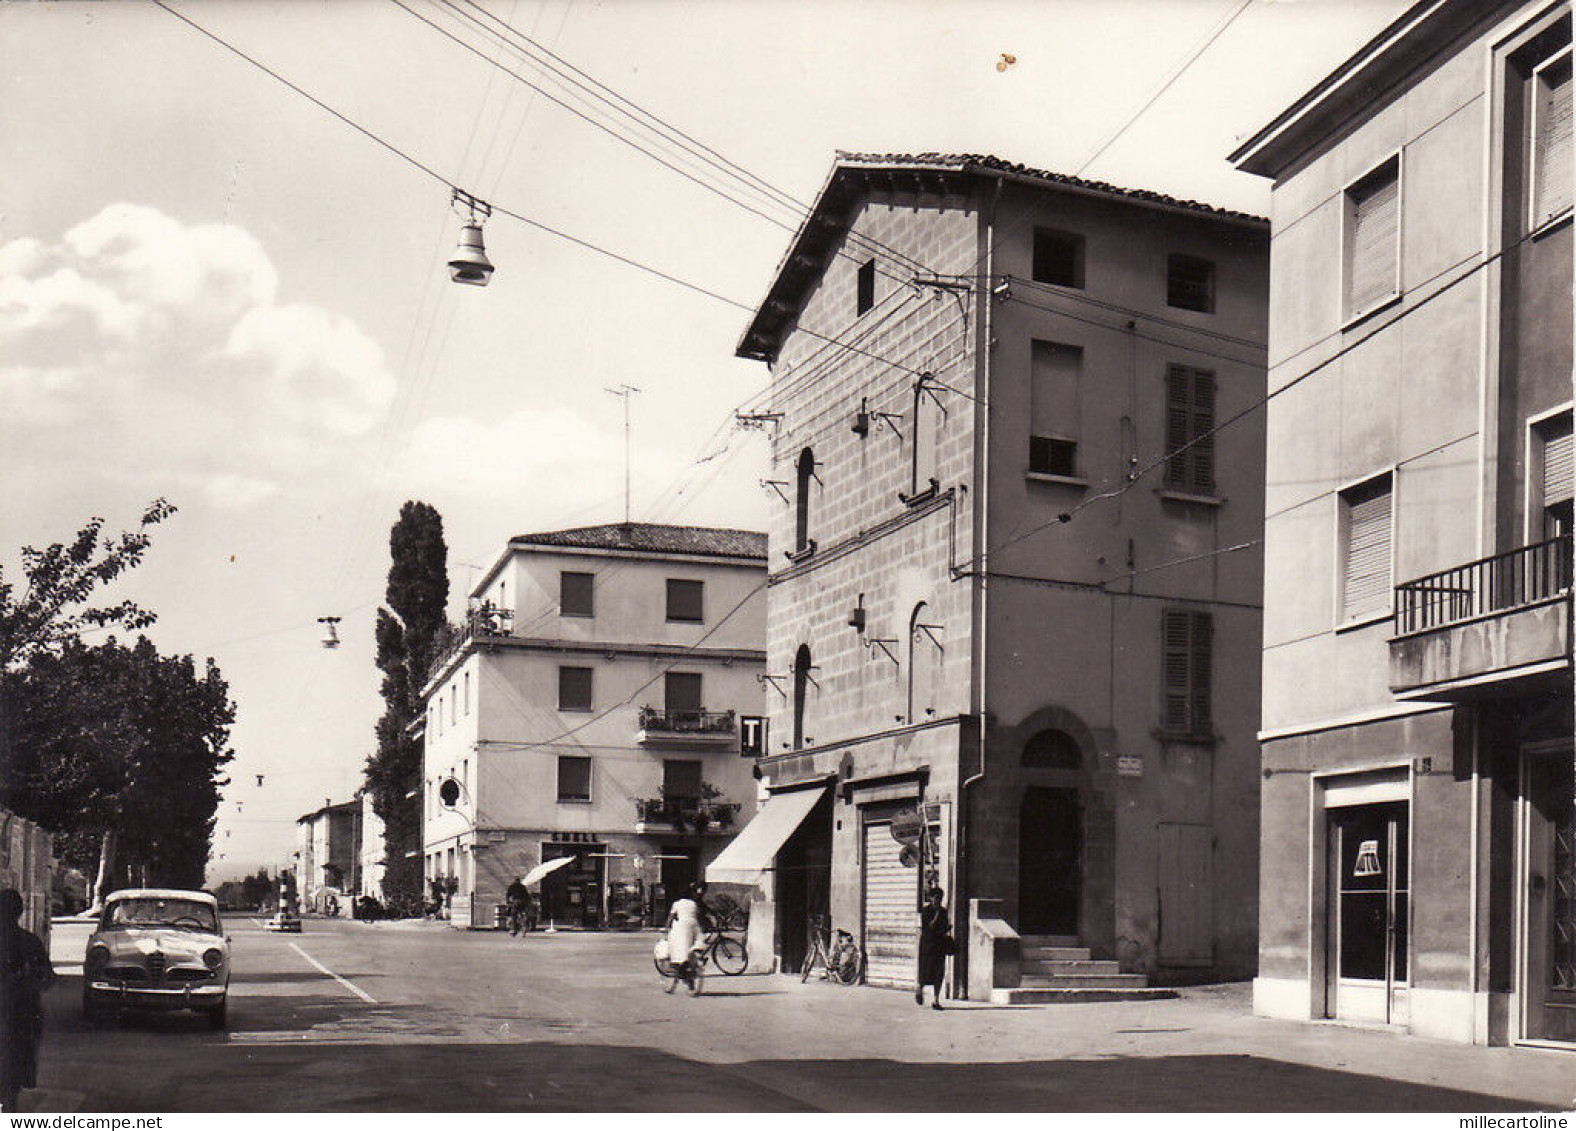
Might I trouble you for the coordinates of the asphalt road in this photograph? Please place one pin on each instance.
(418, 1017)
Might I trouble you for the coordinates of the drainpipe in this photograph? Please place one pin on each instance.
(982, 357)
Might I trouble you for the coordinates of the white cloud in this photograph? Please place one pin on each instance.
(236, 492)
(323, 369)
(38, 396)
(56, 301)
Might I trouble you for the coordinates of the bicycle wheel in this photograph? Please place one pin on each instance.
(809, 963)
(847, 964)
(664, 967)
(730, 956)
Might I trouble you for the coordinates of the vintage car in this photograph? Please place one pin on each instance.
(158, 949)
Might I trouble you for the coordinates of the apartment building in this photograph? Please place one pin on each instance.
(1417, 853)
(1015, 573)
(596, 708)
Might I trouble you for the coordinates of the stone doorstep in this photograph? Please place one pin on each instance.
(1056, 953)
(1064, 966)
(1068, 995)
(1084, 981)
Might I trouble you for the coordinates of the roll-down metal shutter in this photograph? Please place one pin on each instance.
(1557, 466)
(1367, 576)
(891, 911)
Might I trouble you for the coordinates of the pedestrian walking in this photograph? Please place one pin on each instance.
(518, 898)
(686, 935)
(935, 944)
(27, 974)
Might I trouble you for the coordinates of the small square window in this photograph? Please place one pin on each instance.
(686, 601)
(574, 777)
(575, 594)
(866, 286)
(1190, 283)
(1058, 258)
(1051, 456)
(574, 689)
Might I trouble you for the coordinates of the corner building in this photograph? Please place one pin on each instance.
(1418, 866)
(1005, 633)
(590, 710)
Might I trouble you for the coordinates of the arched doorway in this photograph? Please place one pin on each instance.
(1050, 841)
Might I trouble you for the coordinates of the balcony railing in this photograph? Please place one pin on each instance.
(693, 813)
(685, 721)
(482, 622)
(1499, 584)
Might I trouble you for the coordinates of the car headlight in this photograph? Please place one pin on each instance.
(98, 955)
(212, 958)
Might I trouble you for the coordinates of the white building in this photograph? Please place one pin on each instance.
(592, 708)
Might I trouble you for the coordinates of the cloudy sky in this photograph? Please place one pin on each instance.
(213, 290)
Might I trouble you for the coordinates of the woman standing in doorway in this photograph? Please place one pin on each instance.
(935, 944)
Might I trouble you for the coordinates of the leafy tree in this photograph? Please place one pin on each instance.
(61, 579)
(409, 637)
(120, 750)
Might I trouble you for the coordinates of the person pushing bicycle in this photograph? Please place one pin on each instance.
(686, 927)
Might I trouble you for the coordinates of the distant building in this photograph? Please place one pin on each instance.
(593, 710)
(328, 855)
(1419, 853)
(372, 850)
(978, 620)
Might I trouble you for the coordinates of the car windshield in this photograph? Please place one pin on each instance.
(183, 914)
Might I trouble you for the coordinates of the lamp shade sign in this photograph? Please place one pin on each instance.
(906, 826)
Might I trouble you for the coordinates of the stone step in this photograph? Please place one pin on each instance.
(1049, 940)
(1055, 995)
(1056, 953)
(1084, 981)
(1065, 966)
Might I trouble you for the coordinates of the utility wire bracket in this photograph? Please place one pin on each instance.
(778, 485)
(883, 645)
(757, 420)
(930, 630)
(887, 418)
(773, 680)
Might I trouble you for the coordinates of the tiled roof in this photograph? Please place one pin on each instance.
(928, 174)
(654, 538)
(966, 161)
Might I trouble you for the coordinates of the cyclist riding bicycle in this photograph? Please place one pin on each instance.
(518, 898)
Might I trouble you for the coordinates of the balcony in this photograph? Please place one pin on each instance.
(684, 815)
(1489, 627)
(687, 727)
(484, 621)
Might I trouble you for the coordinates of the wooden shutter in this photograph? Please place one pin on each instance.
(1187, 641)
(682, 691)
(1366, 577)
(1190, 418)
(1178, 419)
(1375, 220)
(1557, 465)
(1553, 171)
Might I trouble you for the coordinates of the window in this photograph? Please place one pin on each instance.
(685, 602)
(924, 663)
(866, 286)
(574, 777)
(1190, 283)
(1373, 239)
(1186, 643)
(1055, 379)
(1551, 440)
(681, 778)
(574, 689)
(575, 594)
(801, 687)
(1058, 258)
(467, 693)
(801, 521)
(681, 691)
(1365, 548)
(1190, 420)
(1552, 156)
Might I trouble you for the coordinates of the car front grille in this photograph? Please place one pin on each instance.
(183, 976)
(156, 967)
(132, 975)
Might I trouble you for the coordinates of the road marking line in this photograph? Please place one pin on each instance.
(349, 985)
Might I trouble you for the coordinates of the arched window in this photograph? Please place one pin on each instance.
(926, 431)
(1052, 750)
(924, 661)
(801, 540)
(801, 687)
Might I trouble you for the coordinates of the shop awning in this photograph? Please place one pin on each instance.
(547, 867)
(752, 851)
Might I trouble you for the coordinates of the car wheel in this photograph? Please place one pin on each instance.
(218, 1015)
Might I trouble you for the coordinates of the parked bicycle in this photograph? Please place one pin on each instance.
(835, 952)
(722, 950)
